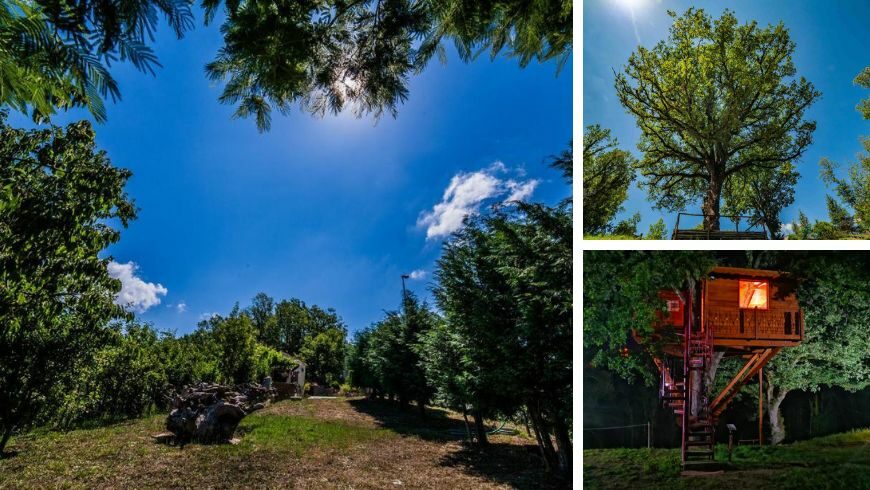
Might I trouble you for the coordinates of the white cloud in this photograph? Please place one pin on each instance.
(135, 293)
(520, 191)
(417, 274)
(788, 229)
(467, 193)
(181, 307)
(208, 316)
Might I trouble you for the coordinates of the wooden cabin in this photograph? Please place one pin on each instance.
(746, 313)
(743, 309)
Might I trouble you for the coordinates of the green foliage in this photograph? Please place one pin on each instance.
(391, 361)
(836, 349)
(58, 195)
(325, 354)
(235, 346)
(607, 173)
(126, 378)
(762, 194)
(657, 231)
(718, 106)
(54, 55)
(293, 322)
(854, 189)
(628, 226)
(326, 56)
(620, 295)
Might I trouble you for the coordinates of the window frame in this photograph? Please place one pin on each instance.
(766, 294)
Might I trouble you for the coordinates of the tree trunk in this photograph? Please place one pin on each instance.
(777, 424)
(710, 207)
(7, 434)
(710, 372)
(548, 452)
(421, 405)
(563, 440)
(480, 429)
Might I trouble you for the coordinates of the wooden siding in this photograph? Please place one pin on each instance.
(783, 320)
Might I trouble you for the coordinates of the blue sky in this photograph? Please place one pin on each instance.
(325, 210)
(832, 40)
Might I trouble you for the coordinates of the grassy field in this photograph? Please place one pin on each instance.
(835, 461)
(325, 443)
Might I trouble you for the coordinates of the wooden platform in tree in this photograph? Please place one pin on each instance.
(718, 235)
(751, 232)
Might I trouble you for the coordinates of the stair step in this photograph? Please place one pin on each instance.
(707, 452)
(700, 443)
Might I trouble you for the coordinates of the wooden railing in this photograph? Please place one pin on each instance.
(750, 232)
(771, 324)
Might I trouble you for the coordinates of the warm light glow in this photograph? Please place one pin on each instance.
(753, 294)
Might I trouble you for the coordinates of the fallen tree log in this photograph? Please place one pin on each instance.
(209, 413)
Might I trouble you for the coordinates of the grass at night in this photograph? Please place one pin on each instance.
(835, 461)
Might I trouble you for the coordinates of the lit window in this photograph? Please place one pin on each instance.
(753, 294)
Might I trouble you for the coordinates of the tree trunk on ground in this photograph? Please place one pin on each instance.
(777, 424)
(482, 441)
(467, 428)
(548, 452)
(710, 206)
(7, 434)
(563, 440)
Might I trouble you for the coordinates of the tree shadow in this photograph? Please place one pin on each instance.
(514, 465)
(518, 466)
(436, 426)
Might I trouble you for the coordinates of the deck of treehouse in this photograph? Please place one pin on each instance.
(752, 232)
(742, 313)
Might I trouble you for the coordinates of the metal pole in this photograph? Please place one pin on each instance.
(760, 406)
(648, 436)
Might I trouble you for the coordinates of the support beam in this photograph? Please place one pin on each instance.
(736, 379)
(760, 405)
(749, 370)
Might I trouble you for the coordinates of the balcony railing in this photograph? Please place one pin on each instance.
(755, 324)
(751, 231)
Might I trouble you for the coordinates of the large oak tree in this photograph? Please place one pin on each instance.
(716, 101)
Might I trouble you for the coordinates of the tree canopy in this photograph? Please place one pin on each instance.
(322, 55)
(854, 189)
(55, 54)
(59, 196)
(326, 56)
(607, 173)
(717, 103)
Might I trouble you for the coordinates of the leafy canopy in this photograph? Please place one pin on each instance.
(854, 189)
(59, 196)
(55, 54)
(327, 55)
(607, 173)
(716, 102)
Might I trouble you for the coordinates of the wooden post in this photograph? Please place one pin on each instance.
(648, 436)
(760, 407)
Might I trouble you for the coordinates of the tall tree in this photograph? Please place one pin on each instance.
(607, 173)
(854, 189)
(325, 353)
(835, 296)
(59, 196)
(762, 195)
(261, 311)
(715, 102)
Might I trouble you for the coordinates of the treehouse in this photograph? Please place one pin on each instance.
(746, 313)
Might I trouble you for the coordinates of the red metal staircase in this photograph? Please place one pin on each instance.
(678, 379)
